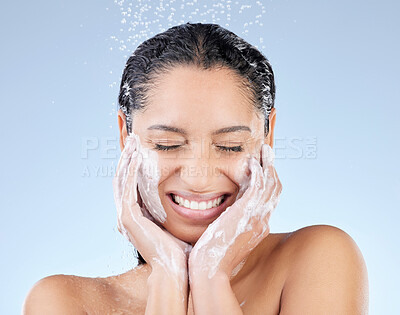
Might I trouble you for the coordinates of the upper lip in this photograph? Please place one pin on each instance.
(197, 197)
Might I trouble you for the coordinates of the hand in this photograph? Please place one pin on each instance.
(242, 226)
(159, 248)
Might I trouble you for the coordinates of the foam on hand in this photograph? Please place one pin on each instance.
(169, 253)
(237, 219)
(148, 179)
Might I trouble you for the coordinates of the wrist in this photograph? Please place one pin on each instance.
(161, 274)
(202, 277)
(206, 272)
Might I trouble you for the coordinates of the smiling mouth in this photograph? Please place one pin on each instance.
(198, 205)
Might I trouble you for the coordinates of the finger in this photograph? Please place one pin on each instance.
(266, 202)
(238, 219)
(131, 214)
(269, 178)
(278, 185)
(139, 229)
(259, 183)
(270, 197)
(276, 195)
(251, 196)
(260, 229)
(146, 212)
(267, 155)
(148, 181)
(120, 175)
(130, 146)
(128, 200)
(129, 193)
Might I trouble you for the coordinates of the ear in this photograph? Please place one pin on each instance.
(123, 133)
(269, 139)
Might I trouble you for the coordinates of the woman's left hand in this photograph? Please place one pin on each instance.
(242, 226)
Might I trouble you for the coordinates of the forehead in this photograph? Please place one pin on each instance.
(198, 98)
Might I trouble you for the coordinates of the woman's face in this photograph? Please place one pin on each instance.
(188, 122)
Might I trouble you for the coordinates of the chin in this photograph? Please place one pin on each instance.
(187, 233)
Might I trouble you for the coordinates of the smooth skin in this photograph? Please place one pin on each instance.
(314, 270)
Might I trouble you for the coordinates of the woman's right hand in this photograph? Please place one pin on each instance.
(161, 250)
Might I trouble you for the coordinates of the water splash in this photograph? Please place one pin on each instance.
(142, 19)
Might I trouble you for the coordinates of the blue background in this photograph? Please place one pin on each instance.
(336, 65)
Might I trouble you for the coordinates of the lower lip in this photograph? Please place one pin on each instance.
(199, 215)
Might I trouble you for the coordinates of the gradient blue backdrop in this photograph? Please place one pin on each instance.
(337, 68)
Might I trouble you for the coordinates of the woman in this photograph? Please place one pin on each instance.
(194, 190)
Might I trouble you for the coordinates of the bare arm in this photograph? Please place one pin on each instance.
(328, 276)
(214, 296)
(165, 294)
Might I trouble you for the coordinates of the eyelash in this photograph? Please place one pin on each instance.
(238, 148)
(160, 147)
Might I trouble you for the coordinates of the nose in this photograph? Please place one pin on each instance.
(199, 170)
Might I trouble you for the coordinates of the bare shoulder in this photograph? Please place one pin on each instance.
(68, 294)
(326, 273)
(54, 295)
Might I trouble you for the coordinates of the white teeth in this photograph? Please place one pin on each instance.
(194, 205)
(214, 202)
(186, 203)
(202, 205)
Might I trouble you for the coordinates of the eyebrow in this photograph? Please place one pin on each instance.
(182, 131)
(231, 129)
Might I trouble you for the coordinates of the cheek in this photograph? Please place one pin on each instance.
(236, 168)
(166, 166)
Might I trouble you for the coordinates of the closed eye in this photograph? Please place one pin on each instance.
(161, 147)
(230, 149)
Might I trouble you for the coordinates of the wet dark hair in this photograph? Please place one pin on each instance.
(205, 46)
